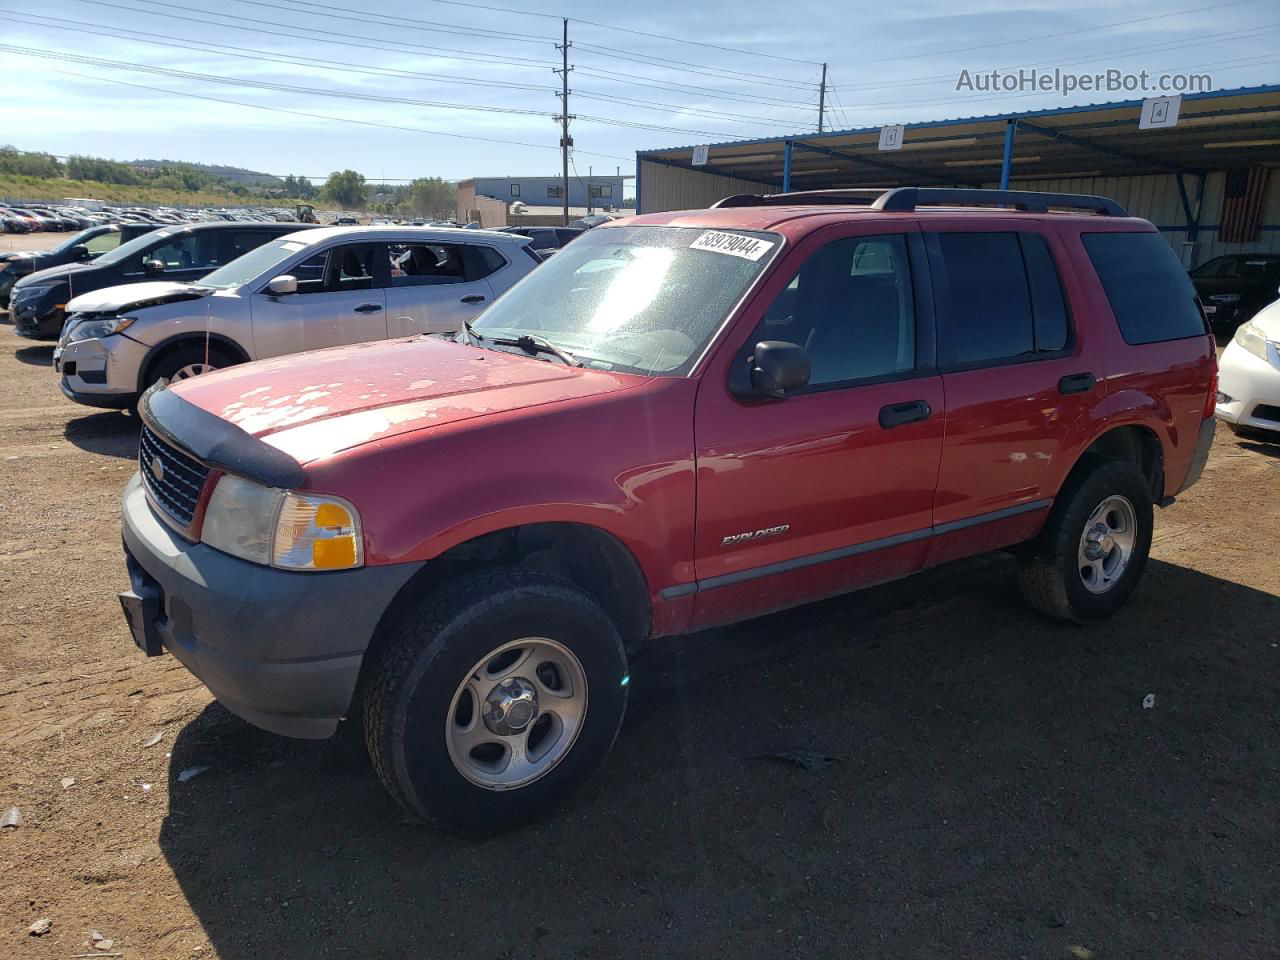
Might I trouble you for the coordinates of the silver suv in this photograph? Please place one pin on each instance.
(315, 288)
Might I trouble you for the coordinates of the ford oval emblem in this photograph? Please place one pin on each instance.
(157, 469)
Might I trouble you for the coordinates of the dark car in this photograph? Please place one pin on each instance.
(84, 246)
(1235, 287)
(545, 240)
(181, 253)
(10, 222)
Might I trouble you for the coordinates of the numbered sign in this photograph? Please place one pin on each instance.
(1159, 112)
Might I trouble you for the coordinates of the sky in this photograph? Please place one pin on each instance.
(398, 89)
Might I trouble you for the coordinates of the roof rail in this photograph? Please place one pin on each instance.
(908, 198)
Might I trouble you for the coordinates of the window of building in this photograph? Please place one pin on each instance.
(602, 190)
(515, 189)
(555, 190)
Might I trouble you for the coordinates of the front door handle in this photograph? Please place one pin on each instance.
(474, 298)
(1077, 383)
(369, 308)
(896, 414)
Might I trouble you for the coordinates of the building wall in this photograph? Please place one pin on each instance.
(674, 188)
(533, 190)
(1155, 198)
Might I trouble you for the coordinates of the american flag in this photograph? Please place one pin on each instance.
(1242, 205)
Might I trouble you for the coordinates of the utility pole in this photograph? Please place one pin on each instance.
(822, 98)
(590, 176)
(565, 140)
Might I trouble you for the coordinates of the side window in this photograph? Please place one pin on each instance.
(1149, 292)
(850, 306)
(310, 273)
(490, 260)
(422, 264)
(195, 251)
(986, 312)
(103, 242)
(350, 268)
(1048, 302)
(236, 243)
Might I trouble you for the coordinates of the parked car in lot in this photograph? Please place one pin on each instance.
(1235, 287)
(303, 291)
(1249, 383)
(682, 420)
(545, 240)
(178, 254)
(84, 246)
(10, 222)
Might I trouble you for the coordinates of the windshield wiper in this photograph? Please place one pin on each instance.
(469, 335)
(532, 343)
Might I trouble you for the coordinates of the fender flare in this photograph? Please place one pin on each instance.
(182, 339)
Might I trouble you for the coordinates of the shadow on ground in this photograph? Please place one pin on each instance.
(41, 356)
(1002, 792)
(111, 434)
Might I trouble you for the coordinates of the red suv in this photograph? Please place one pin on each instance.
(680, 420)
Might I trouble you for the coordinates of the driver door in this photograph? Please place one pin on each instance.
(341, 299)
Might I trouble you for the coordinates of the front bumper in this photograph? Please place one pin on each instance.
(281, 650)
(100, 373)
(1251, 388)
(38, 318)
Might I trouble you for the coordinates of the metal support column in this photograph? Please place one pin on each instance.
(1010, 130)
(786, 167)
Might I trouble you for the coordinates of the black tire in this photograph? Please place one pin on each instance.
(1049, 571)
(432, 647)
(165, 366)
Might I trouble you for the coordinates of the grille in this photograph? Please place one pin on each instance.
(181, 478)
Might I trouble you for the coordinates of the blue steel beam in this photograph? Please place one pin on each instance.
(1006, 162)
(786, 167)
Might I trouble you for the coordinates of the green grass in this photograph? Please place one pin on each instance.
(16, 188)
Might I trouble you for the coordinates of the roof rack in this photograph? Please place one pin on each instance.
(909, 198)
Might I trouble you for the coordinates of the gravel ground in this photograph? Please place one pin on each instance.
(998, 788)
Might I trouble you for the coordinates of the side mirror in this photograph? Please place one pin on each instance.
(152, 267)
(80, 252)
(774, 369)
(282, 285)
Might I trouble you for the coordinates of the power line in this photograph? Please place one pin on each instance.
(725, 73)
(708, 92)
(322, 116)
(1051, 36)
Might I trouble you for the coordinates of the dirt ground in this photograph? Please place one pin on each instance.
(10, 242)
(1000, 790)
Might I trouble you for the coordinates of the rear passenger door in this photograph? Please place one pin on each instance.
(434, 286)
(1019, 379)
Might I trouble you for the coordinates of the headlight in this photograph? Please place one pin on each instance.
(293, 531)
(1251, 338)
(1225, 298)
(33, 290)
(97, 329)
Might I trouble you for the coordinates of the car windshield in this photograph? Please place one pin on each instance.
(639, 299)
(249, 265)
(135, 246)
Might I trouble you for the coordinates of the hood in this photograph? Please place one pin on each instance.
(132, 296)
(316, 404)
(56, 273)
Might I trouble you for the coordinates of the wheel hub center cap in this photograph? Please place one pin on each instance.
(1099, 543)
(510, 706)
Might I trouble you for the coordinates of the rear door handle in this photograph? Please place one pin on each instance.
(474, 298)
(369, 308)
(896, 414)
(1076, 383)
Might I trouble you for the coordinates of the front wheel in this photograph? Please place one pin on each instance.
(494, 699)
(1092, 551)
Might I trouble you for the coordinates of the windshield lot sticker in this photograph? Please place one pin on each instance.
(734, 244)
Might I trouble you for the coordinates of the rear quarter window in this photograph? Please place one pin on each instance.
(1150, 293)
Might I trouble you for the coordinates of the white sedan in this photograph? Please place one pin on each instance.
(1249, 375)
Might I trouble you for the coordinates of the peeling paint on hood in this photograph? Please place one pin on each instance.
(314, 405)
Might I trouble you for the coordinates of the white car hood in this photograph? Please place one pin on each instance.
(133, 295)
(1268, 321)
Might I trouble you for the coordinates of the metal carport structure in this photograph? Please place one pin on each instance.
(1173, 176)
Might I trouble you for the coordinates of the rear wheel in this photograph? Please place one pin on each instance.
(494, 699)
(1092, 551)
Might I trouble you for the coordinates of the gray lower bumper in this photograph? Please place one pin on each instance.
(282, 650)
(1204, 442)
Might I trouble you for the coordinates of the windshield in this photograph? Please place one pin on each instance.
(638, 299)
(134, 246)
(249, 265)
